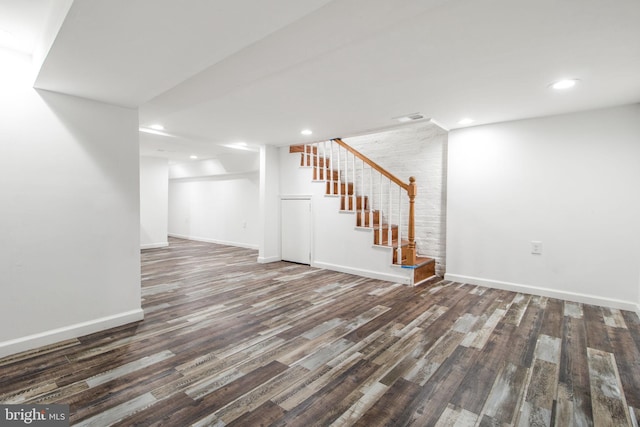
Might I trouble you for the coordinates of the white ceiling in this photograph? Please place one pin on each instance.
(22, 23)
(215, 72)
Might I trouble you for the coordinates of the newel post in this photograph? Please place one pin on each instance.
(412, 191)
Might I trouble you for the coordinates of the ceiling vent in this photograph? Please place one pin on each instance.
(410, 117)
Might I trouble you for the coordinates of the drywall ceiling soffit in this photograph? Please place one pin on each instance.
(126, 52)
(180, 149)
(341, 73)
(343, 67)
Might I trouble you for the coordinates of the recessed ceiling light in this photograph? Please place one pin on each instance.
(564, 84)
(154, 132)
(193, 157)
(306, 132)
(157, 127)
(6, 34)
(239, 146)
(9, 40)
(465, 121)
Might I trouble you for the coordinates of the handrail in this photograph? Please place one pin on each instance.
(373, 164)
(412, 190)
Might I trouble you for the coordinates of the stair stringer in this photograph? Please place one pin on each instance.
(341, 246)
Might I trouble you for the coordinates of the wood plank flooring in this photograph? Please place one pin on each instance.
(229, 342)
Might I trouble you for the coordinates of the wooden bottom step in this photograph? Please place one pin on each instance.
(423, 270)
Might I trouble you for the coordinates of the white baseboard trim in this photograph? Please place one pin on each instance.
(404, 280)
(545, 292)
(267, 260)
(53, 336)
(219, 242)
(154, 245)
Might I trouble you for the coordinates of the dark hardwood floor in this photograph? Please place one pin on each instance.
(227, 341)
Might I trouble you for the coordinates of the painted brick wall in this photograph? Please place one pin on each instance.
(418, 150)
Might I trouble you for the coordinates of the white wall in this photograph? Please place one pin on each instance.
(69, 258)
(569, 181)
(239, 163)
(269, 205)
(219, 208)
(154, 202)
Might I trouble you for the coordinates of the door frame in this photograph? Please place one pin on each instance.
(308, 197)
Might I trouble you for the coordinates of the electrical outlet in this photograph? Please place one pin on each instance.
(536, 247)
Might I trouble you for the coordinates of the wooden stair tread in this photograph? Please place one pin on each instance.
(347, 202)
(323, 176)
(309, 160)
(344, 189)
(371, 218)
(394, 244)
(424, 260)
(421, 263)
(300, 148)
(381, 233)
(385, 226)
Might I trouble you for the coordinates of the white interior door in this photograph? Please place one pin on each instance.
(296, 230)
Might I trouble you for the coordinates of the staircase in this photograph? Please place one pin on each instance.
(376, 197)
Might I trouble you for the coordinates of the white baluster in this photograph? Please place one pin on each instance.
(351, 179)
(355, 184)
(323, 161)
(339, 173)
(362, 197)
(331, 157)
(389, 236)
(371, 192)
(381, 205)
(346, 178)
(399, 225)
(316, 157)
